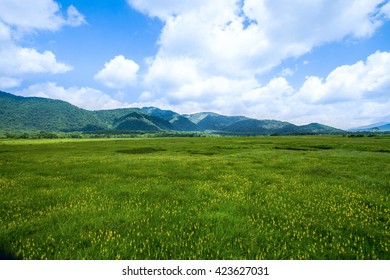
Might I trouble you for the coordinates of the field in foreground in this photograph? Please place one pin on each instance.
(196, 198)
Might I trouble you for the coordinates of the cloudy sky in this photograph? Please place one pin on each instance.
(301, 61)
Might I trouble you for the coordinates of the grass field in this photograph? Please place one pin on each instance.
(317, 197)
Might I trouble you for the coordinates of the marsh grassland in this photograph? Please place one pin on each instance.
(196, 198)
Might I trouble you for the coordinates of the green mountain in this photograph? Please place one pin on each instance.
(218, 122)
(177, 121)
(28, 114)
(135, 121)
(317, 128)
(261, 127)
(37, 114)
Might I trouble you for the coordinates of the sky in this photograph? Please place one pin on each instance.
(303, 61)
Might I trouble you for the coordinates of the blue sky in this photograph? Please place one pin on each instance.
(302, 61)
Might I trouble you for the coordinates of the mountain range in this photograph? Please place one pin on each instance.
(382, 127)
(42, 114)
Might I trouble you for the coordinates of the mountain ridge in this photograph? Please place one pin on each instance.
(19, 113)
(382, 127)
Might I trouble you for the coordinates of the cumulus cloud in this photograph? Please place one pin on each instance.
(27, 15)
(118, 73)
(287, 72)
(328, 20)
(211, 54)
(277, 88)
(9, 82)
(216, 37)
(240, 38)
(166, 74)
(362, 80)
(165, 9)
(18, 18)
(17, 60)
(386, 10)
(5, 33)
(84, 97)
(74, 17)
(349, 96)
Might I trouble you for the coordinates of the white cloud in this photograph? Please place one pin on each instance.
(328, 20)
(351, 95)
(386, 10)
(17, 60)
(215, 36)
(165, 9)
(74, 17)
(5, 33)
(277, 88)
(118, 73)
(27, 15)
(360, 81)
(166, 74)
(241, 38)
(212, 89)
(212, 52)
(18, 18)
(84, 97)
(146, 96)
(9, 82)
(287, 72)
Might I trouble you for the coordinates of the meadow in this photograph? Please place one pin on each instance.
(295, 197)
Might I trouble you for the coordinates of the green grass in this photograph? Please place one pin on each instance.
(196, 198)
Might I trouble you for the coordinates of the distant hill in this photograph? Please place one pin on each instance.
(28, 114)
(267, 127)
(385, 127)
(382, 127)
(317, 128)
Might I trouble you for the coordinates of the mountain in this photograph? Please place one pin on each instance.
(136, 121)
(177, 121)
(385, 127)
(317, 128)
(145, 119)
(212, 121)
(382, 126)
(260, 127)
(217, 122)
(25, 114)
(268, 127)
(36, 114)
